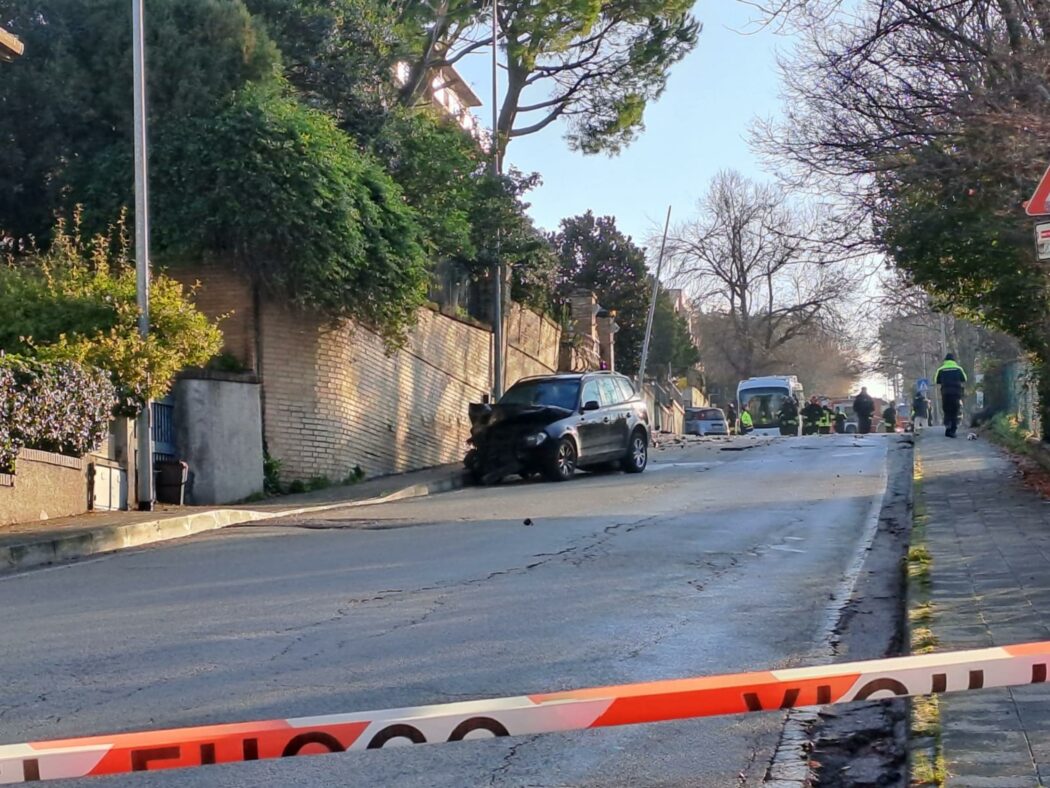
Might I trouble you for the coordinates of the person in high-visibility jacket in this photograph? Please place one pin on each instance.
(826, 418)
(746, 423)
(840, 422)
(952, 380)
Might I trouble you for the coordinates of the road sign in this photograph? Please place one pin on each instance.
(922, 384)
(1037, 206)
(1042, 240)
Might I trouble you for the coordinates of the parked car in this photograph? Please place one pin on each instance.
(554, 424)
(706, 421)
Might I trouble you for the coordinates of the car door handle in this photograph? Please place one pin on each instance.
(605, 420)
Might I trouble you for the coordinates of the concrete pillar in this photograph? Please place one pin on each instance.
(607, 329)
(584, 308)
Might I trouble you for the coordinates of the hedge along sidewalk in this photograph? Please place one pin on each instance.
(27, 545)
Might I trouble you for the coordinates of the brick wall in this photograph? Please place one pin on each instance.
(332, 397)
(532, 344)
(222, 293)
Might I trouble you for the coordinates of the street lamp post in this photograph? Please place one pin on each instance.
(497, 168)
(144, 431)
(652, 303)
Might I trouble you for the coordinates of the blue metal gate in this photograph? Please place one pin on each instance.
(164, 430)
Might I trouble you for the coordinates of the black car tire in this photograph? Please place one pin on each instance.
(561, 462)
(637, 458)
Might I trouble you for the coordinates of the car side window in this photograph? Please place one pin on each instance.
(590, 393)
(626, 389)
(610, 392)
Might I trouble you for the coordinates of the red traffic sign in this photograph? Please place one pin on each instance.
(1037, 206)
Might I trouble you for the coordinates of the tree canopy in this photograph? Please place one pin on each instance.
(286, 140)
(929, 124)
(595, 63)
(750, 256)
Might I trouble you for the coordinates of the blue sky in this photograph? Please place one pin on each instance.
(699, 126)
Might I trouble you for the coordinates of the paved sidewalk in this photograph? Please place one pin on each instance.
(989, 538)
(32, 544)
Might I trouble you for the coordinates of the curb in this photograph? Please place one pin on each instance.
(111, 538)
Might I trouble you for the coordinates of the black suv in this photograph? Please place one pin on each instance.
(557, 423)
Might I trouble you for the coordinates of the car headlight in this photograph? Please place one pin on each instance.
(535, 440)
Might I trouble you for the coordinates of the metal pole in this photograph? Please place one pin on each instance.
(652, 302)
(144, 430)
(497, 167)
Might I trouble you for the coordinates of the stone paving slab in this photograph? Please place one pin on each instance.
(989, 537)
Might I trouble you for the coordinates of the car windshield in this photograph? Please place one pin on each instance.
(544, 393)
(764, 405)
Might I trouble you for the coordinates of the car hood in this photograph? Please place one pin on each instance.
(482, 419)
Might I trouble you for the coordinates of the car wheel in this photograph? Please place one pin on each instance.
(637, 453)
(561, 463)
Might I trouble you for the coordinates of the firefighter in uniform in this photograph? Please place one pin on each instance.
(840, 422)
(826, 419)
(788, 417)
(811, 417)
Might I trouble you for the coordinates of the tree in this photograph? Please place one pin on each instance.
(594, 255)
(340, 55)
(67, 125)
(242, 170)
(823, 359)
(750, 257)
(595, 63)
(280, 191)
(931, 120)
(441, 171)
(671, 347)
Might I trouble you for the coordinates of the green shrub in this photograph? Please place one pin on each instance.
(1007, 430)
(62, 407)
(77, 302)
(278, 189)
(271, 474)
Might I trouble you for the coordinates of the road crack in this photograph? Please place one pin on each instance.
(502, 770)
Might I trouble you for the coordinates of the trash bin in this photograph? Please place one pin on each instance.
(172, 476)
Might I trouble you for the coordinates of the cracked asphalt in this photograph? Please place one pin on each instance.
(713, 561)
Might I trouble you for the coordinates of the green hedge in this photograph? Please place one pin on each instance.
(60, 407)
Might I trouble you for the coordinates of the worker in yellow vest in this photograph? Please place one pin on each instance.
(746, 423)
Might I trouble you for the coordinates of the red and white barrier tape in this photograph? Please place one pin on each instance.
(627, 704)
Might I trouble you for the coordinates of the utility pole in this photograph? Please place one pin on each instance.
(144, 430)
(497, 168)
(652, 302)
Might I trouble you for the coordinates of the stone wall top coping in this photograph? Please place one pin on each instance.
(224, 376)
(51, 458)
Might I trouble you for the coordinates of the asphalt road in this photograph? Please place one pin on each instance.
(723, 557)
